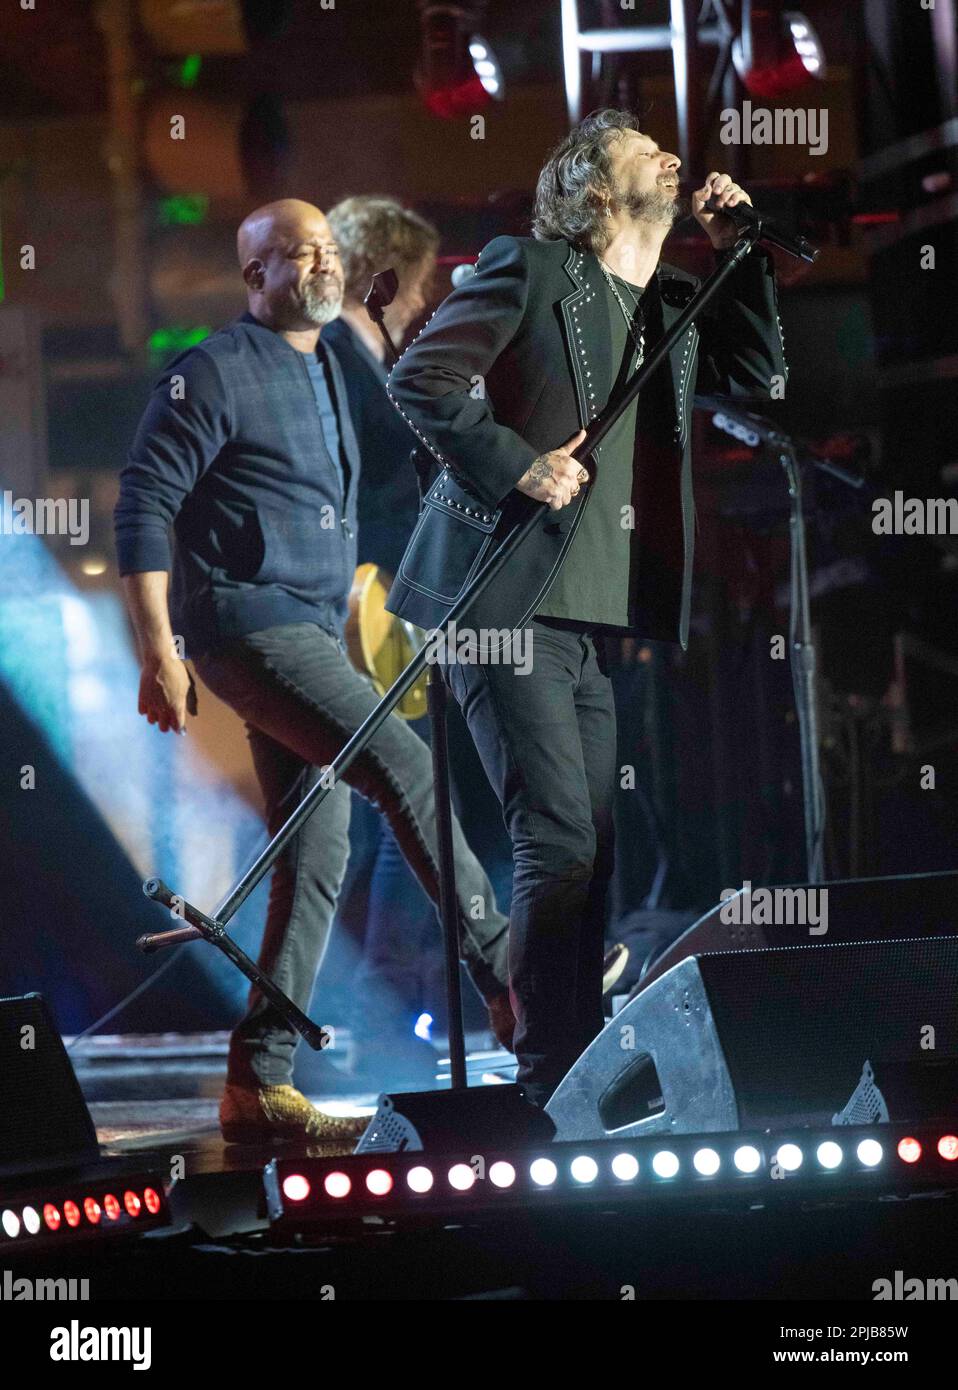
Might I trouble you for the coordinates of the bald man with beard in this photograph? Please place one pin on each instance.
(246, 451)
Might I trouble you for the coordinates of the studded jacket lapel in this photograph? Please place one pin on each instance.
(585, 320)
(675, 293)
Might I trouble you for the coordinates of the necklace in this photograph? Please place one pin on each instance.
(637, 338)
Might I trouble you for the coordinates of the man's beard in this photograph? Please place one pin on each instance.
(658, 207)
(319, 307)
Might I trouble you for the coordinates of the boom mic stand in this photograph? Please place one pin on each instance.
(212, 929)
(794, 456)
(382, 291)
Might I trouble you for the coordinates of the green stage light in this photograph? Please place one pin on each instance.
(186, 74)
(183, 210)
(165, 343)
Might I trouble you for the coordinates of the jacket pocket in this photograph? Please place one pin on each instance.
(453, 535)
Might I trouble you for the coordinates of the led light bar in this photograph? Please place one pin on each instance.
(867, 1160)
(91, 1209)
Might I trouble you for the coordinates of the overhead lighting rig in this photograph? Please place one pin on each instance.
(457, 73)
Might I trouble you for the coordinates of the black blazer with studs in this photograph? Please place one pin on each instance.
(512, 364)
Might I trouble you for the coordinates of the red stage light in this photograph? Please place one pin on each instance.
(296, 1187)
(457, 73)
(775, 51)
(152, 1199)
(909, 1150)
(948, 1147)
(132, 1203)
(51, 1216)
(379, 1182)
(72, 1213)
(91, 1209)
(111, 1206)
(337, 1185)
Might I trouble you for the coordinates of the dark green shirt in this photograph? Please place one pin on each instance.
(595, 585)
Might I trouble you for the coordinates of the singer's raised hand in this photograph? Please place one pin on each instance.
(720, 187)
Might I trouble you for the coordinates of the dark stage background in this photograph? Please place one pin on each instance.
(117, 251)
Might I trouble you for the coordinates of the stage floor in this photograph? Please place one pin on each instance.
(152, 1130)
(152, 1096)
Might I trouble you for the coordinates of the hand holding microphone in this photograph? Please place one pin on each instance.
(725, 211)
(716, 196)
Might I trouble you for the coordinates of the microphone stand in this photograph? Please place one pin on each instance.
(213, 930)
(801, 639)
(803, 667)
(381, 293)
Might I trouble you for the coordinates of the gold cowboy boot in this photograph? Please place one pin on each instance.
(249, 1115)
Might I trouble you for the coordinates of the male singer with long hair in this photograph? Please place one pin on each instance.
(500, 386)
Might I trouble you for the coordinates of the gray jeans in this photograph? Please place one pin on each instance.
(301, 700)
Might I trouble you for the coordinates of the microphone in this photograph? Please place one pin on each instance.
(769, 230)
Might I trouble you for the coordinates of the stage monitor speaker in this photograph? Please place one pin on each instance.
(44, 1121)
(860, 1033)
(455, 1120)
(858, 909)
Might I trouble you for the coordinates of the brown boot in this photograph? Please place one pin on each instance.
(249, 1115)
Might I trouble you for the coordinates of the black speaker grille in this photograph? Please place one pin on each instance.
(798, 1024)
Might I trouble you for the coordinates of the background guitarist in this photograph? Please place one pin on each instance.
(375, 234)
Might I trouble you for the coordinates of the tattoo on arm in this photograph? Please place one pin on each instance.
(541, 469)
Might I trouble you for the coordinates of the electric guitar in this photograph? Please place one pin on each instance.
(379, 644)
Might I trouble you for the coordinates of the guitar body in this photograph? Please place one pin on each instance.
(379, 644)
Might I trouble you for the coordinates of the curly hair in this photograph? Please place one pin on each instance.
(374, 233)
(568, 202)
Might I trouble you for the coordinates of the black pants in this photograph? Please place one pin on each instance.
(547, 742)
